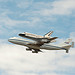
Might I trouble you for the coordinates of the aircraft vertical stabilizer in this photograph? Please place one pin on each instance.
(67, 44)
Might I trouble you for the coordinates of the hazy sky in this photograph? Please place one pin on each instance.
(38, 17)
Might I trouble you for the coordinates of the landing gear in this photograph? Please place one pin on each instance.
(67, 51)
(35, 51)
(28, 49)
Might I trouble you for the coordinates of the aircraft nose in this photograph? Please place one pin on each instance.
(9, 40)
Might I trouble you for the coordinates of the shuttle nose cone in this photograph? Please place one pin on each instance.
(21, 34)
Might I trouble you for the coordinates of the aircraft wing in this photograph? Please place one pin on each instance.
(36, 45)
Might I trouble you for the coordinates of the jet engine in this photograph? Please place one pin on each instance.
(28, 49)
(45, 40)
(34, 51)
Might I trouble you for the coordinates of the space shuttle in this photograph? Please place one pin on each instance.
(42, 39)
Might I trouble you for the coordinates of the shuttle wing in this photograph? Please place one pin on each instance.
(40, 43)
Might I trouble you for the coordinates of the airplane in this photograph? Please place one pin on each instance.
(36, 43)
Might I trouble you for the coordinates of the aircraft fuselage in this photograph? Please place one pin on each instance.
(24, 42)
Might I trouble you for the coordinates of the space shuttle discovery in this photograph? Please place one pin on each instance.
(45, 39)
(25, 34)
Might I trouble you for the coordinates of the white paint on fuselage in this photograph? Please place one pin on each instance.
(29, 43)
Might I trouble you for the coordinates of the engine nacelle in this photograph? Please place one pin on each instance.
(28, 49)
(45, 40)
(34, 51)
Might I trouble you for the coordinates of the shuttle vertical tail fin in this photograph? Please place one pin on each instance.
(48, 34)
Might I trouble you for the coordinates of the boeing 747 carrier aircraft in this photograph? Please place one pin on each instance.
(38, 42)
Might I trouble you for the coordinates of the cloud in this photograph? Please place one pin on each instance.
(5, 0)
(3, 41)
(31, 13)
(16, 60)
(8, 22)
(60, 7)
(64, 6)
(72, 35)
(57, 7)
(45, 12)
(24, 4)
